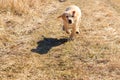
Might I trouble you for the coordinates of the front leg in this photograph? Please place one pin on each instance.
(65, 28)
(73, 32)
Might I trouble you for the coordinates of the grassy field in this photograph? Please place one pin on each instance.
(34, 47)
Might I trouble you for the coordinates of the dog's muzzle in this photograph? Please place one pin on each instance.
(70, 21)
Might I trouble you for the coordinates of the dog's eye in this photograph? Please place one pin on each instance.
(66, 16)
(72, 16)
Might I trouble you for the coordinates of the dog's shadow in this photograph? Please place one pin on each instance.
(46, 44)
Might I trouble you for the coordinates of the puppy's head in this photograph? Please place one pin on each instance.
(68, 17)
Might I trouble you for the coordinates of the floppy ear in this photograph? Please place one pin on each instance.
(73, 13)
(60, 16)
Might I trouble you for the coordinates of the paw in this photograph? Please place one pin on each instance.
(77, 32)
(67, 32)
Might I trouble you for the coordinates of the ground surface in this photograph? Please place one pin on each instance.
(33, 47)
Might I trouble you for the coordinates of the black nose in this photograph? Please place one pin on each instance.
(70, 21)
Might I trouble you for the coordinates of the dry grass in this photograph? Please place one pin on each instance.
(20, 6)
(34, 47)
(115, 4)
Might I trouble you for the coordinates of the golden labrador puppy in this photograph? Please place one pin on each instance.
(71, 20)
